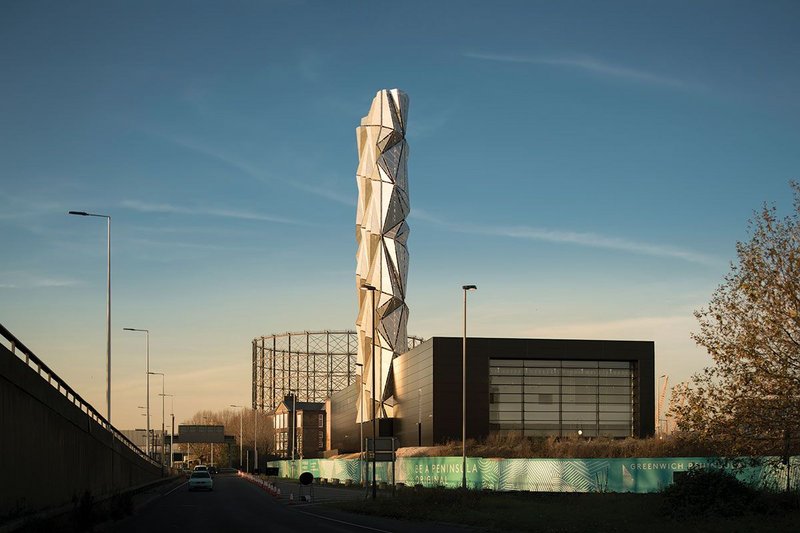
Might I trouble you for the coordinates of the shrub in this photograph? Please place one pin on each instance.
(709, 491)
(515, 445)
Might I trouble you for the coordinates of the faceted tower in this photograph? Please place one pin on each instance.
(382, 257)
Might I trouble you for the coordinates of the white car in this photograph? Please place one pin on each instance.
(200, 480)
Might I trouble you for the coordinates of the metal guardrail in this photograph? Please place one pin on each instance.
(34, 363)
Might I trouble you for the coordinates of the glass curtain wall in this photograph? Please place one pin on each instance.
(561, 398)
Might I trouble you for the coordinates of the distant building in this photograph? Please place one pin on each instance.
(136, 436)
(139, 438)
(309, 421)
(531, 387)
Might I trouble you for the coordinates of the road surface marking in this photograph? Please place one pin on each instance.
(176, 488)
(343, 522)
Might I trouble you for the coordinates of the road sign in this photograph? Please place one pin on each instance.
(383, 450)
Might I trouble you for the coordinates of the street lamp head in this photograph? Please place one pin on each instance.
(136, 329)
(85, 214)
(367, 287)
(470, 287)
(156, 373)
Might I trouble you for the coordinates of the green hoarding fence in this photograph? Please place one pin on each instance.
(638, 475)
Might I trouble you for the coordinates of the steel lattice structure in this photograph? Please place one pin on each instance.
(315, 363)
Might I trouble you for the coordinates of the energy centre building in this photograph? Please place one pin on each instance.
(530, 387)
(412, 389)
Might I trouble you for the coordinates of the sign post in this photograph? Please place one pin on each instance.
(383, 450)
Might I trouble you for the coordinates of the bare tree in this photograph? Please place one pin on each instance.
(229, 418)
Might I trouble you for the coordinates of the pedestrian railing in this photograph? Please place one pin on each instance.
(37, 365)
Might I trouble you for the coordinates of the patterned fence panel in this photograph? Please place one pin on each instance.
(639, 475)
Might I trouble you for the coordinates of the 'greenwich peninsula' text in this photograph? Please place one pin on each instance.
(436, 473)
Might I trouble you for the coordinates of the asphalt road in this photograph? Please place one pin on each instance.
(236, 505)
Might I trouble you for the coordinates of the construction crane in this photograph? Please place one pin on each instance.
(660, 408)
(677, 399)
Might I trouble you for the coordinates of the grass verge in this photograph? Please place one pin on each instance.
(564, 512)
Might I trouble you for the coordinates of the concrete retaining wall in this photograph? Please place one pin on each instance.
(51, 451)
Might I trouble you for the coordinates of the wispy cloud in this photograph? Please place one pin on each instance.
(206, 211)
(311, 65)
(213, 153)
(251, 170)
(421, 214)
(588, 239)
(595, 66)
(186, 246)
(429, 122)
(596, 240)
(330, 194)
(24, 280)
(29, 205)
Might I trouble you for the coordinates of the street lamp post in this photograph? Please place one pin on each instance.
(172, 430)
(255, 437)
(372, 289)
(466, 288)
(172, 435)
(419, 417)
(146, 437)
(205, 423)
(293, 420)
(108, 306)
(162, 414)
(241, 415)
(147, 379)
(294, 425)
(361, 428)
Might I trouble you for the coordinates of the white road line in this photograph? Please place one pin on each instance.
(176, 488)
(343, 522)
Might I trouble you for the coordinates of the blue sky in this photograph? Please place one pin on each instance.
(590, 166)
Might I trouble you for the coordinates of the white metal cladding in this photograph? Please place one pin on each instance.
(314, 363)
(382, 235)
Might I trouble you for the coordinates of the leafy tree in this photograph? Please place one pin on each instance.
(748, 402)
